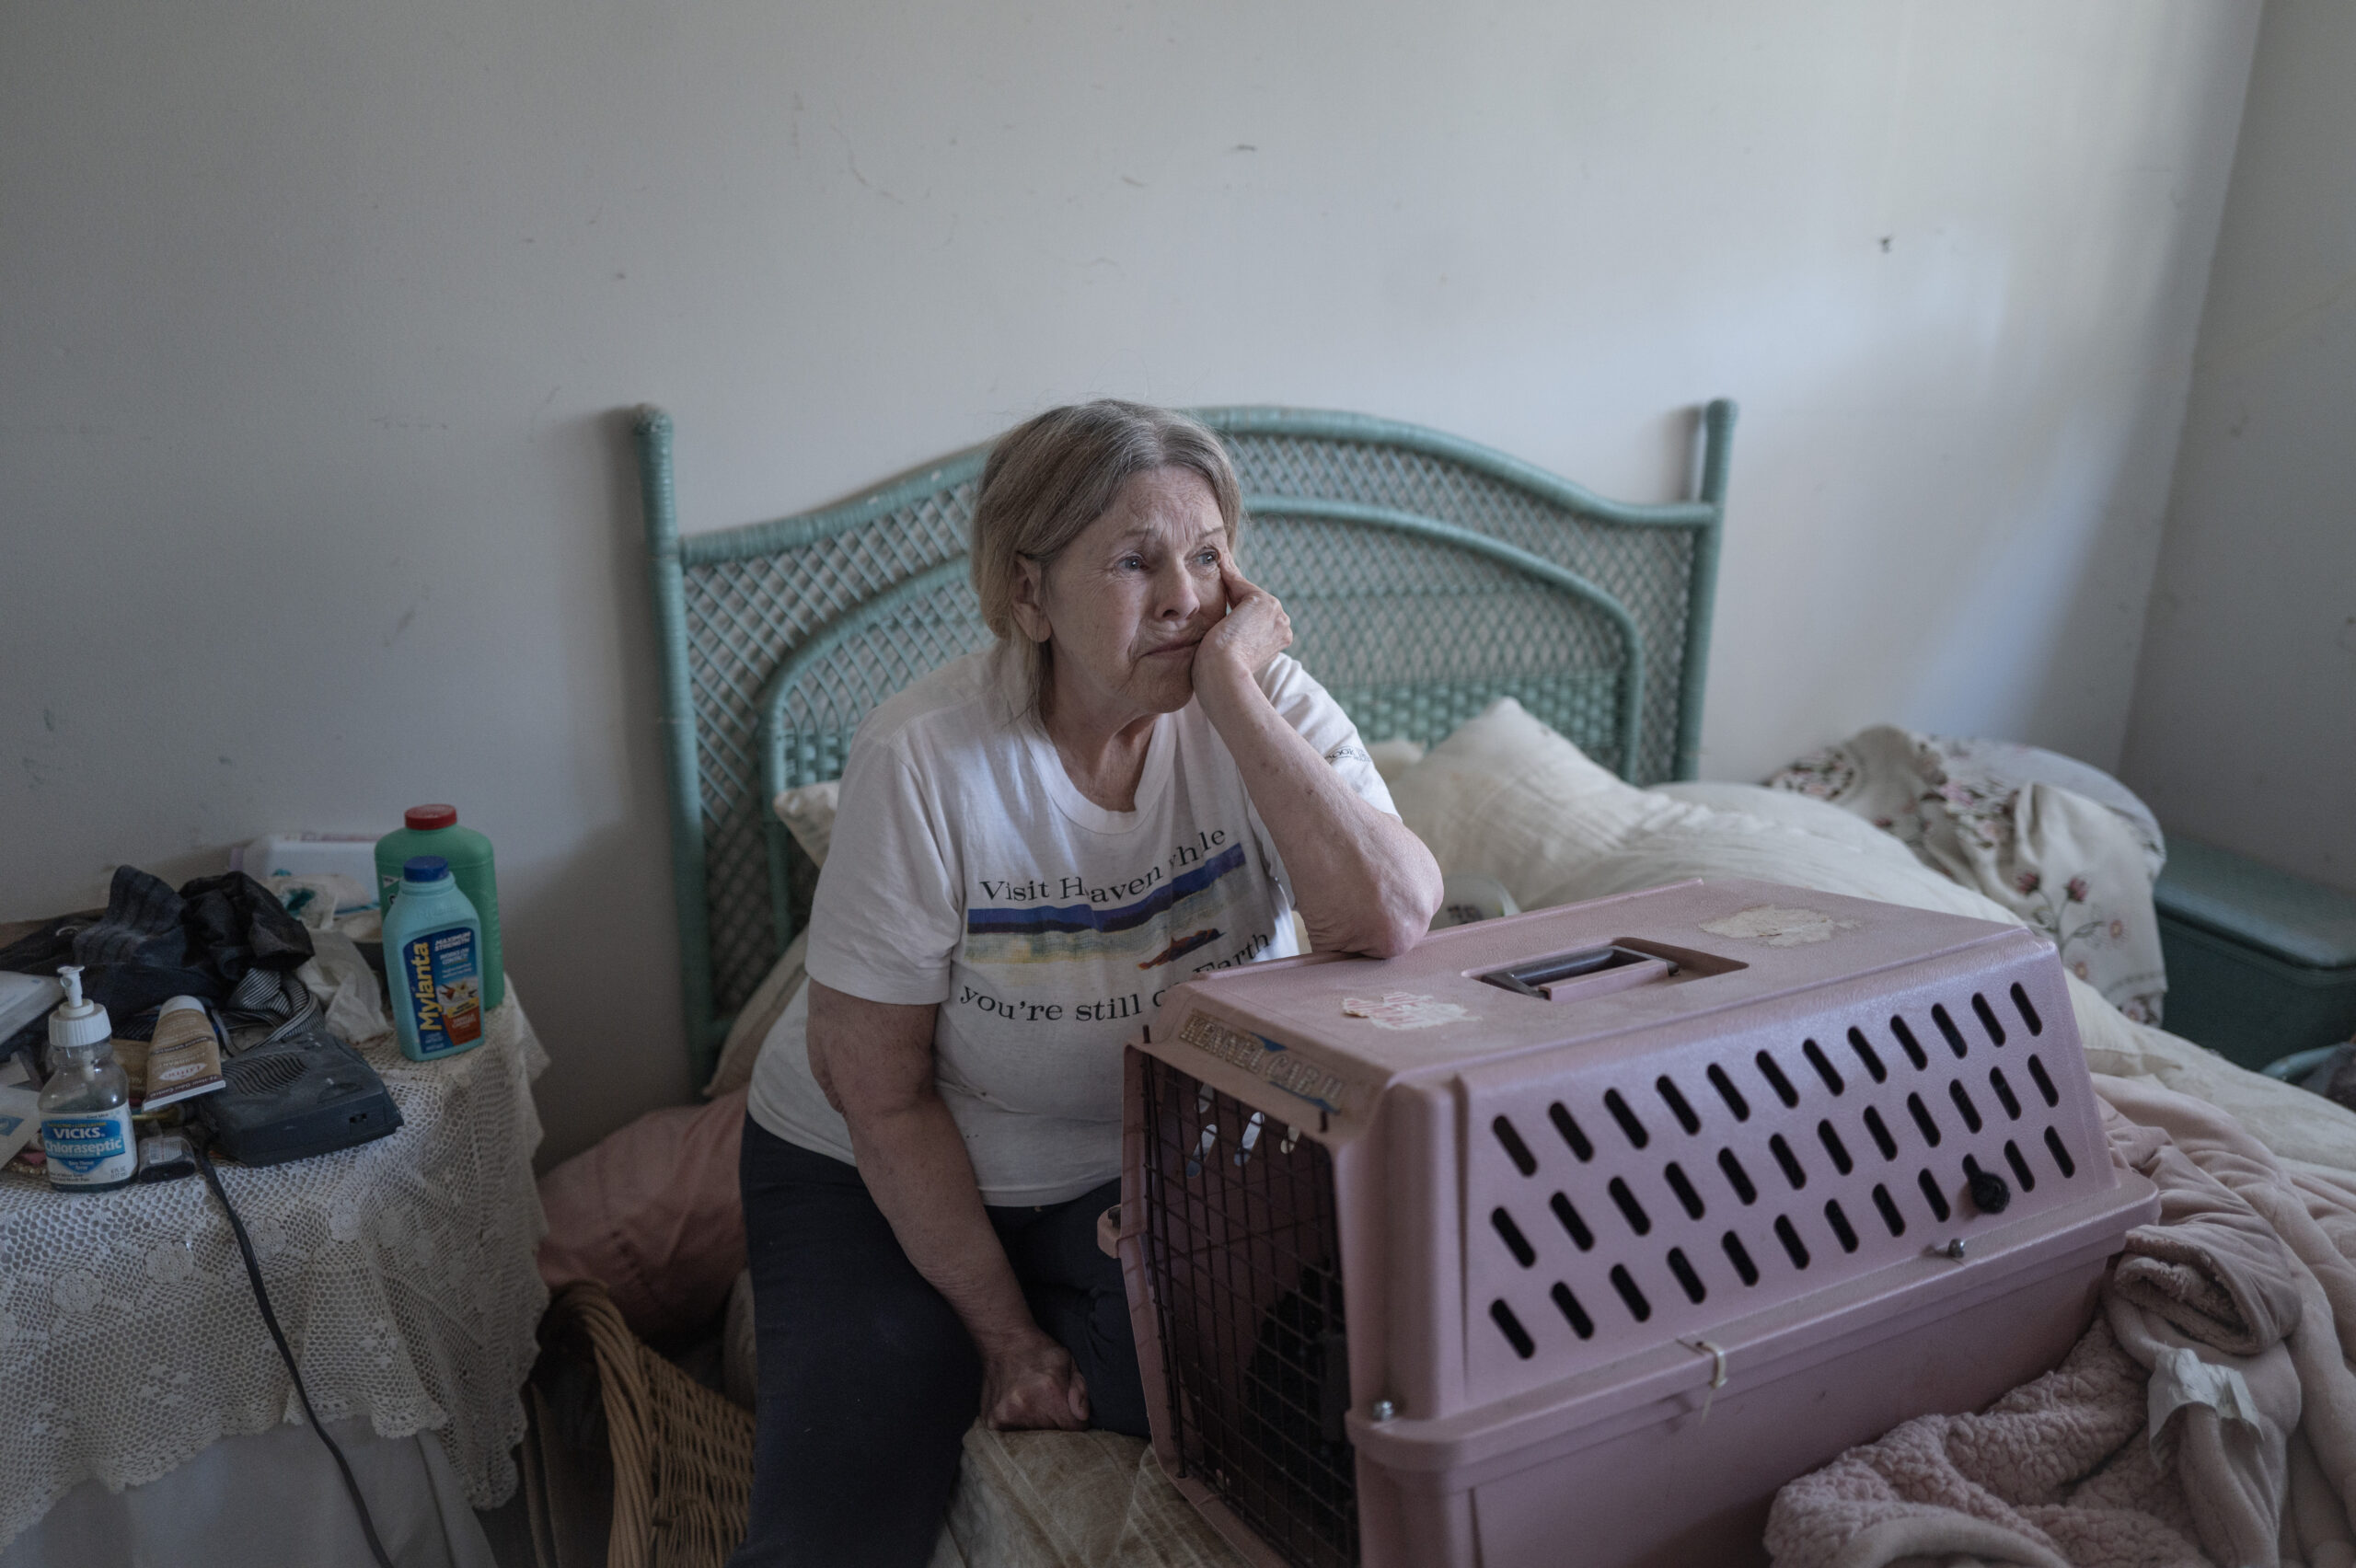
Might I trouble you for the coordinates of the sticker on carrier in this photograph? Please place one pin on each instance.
(1778, 927)
(1403, 1009)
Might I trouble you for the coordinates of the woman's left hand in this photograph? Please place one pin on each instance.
(1032, 1385)
(1256, 630)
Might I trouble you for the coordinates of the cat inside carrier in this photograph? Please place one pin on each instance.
(1572, 1236)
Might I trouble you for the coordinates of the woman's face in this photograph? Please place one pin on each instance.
(1124, 604)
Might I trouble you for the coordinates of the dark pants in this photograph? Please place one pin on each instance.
(868, 1379)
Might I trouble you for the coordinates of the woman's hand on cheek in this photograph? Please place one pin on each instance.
(1032, 1385)
(1255, 628)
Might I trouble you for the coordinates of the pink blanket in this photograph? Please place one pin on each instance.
(2207, 1416)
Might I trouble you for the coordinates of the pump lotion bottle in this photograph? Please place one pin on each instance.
(86, 1106)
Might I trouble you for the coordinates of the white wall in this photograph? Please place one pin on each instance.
(317, 314)
(2245, 715)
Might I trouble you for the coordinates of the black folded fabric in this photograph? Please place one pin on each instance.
(141, 925)
(153, 943)
(238, 924)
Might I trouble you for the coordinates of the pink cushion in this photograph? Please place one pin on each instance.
(653, 1214)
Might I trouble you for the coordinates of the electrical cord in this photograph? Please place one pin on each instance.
(199, 1140)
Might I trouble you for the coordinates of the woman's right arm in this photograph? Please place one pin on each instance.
(874, 1062)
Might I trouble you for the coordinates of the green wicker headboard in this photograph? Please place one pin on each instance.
(1426, 577)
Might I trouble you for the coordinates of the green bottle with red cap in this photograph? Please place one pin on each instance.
(435, 830)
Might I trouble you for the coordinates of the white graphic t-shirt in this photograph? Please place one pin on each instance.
(967, 869)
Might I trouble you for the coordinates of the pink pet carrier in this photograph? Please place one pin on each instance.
(1569, 1238)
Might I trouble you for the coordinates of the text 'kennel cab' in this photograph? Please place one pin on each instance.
(1569, 1238)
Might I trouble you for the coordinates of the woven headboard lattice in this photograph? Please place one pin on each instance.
(1426, 577)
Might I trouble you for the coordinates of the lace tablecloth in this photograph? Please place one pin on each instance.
(402, 1271)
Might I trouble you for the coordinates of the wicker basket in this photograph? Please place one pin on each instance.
(683, 1455)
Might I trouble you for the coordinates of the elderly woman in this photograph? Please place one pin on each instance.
(1034, 843)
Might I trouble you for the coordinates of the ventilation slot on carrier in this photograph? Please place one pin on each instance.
(1776, 1080)
(2029, 1013)
(1788, 1161)
(1626, 1118)
(1868, 1056)
(1889, 1207)
(1816, 1058)
(1676, 1106)
(1686, 1196)
(1946, 1027)
(1793, 1247)
(1625, 1284)
(1515, 1242)
(2021, 1172)
(2061, 1155)
(1728, 1092)
(1880, 1130)
(1963, 1104)
(1738, 1178)
(1510, 1326)
(2044, 1085)
(1841, 1230)
(1687, 1280)
(2005, 1095)
(1740, 1256)
(1835, 1147)
(1516, 1150)
(1988, 1018)
(1572, 1313)
(1913, 1048)
(1923, 1119)
(1570, 1131)
(1634, 1212)
(1572, 1224)
(1937, 1199)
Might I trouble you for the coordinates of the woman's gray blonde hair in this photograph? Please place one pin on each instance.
(1051, 475)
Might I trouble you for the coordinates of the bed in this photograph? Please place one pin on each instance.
(1428, 578)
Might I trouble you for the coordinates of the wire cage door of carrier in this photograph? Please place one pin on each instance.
(1597, 1225)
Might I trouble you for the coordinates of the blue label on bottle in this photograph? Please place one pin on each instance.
(442, 989)
(90, 1148)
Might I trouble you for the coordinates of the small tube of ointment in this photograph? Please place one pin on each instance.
(184, 1058)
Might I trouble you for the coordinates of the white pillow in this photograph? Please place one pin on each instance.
(808, 814)
(1394, 756)
(758, 1017)
(1508, 798)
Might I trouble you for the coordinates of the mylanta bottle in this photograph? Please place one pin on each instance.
(86, 1106)
(435, 830)
(434, 963)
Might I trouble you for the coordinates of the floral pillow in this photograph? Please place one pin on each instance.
(2064, 846)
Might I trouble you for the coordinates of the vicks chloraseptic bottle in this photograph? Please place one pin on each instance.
(86, 1106)
(434, 963)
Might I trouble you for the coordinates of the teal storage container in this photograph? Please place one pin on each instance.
(2260, 962)
(435, 830)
